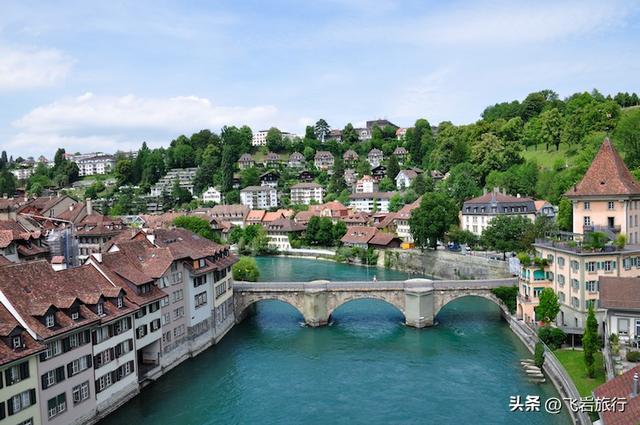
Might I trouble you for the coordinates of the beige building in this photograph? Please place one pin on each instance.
(572, 267)
(477, 213)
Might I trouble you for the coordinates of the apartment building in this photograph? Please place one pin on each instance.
(375, 157)
(370, 202)
(95, 163)
(259, 197)
(19, 399)
(184, 177)
(366, 184)
(477, 213)
(306, 193)
(246, 161)
(323, 160)
(278, 232)
(213, 195)
(296, 160)
(604, 201)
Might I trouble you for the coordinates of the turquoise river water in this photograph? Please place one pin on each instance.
(366, 368)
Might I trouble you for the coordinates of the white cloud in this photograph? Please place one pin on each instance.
(90, 121)
(490, 23)
(31, 68)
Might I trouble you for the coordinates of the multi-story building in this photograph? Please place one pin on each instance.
(323, 160)
(477, 213)
(94, 163)
(306, 193)
(296, 160)
(260, 137)
(259, 197)
(605, 201)
(366, 184)
(403, 230)
(234, 214)
(350, 156)
(212, 194)
(405, 178)
(400, 152)
(375, 157)
(270, 178)
(279, 230)
(246, 161)
(18, 373)
(370, 202)
(184, 177)
(22, 173)
(272, 159)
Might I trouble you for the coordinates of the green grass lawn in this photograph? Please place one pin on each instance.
(573, 362)
(546, 158)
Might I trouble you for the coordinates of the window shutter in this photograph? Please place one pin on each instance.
(7, 377)
(66, 345)
(43, 357)
(130, 345)
(43, 378)
(9, 407)
(60, 374)
(70, 369)
(95, 337)
(115, 376)
(613, 265)
(118, 350)
(24, 370)
(1, 381)
(89, 361)
(32, 396)
(2, 411)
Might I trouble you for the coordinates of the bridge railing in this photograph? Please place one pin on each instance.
(375, 285)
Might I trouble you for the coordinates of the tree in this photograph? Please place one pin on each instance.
(507, 233)
(246, 270)
(227, 169)
(324, 235)
(548, 306)
(492, 153)
(462, 183)
(419, 140)
(565, 215)
(551, 128)
(393, 168)
(396, 203)
(250, 177)
(179, 194)
(628, 133)
(590, 342)
(338, 231)
(274, 140)
(431, 220)
(7, 183)
(236, 234)
(387, 185)
(321, 129)
(349, 135)
(59, 158)
(124, 172)
(337, 183)
(195, 224)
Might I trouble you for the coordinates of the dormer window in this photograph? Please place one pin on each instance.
(100, 309)
(201, 262)
(75, 315)
(16, 342)
(49, 320)
(119, 302)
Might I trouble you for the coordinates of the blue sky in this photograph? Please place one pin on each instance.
(108, 75)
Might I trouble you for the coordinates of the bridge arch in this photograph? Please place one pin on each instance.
(445, 297)
(393, 298)
(243, 302)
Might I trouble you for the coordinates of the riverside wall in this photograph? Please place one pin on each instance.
(443, 264)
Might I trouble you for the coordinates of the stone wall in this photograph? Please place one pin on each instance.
(443, 264)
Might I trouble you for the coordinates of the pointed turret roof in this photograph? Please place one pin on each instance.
(607, 175)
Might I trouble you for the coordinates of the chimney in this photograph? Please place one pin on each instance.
(504, 191)
(484, 190)
(634, 391)
(89, 206)
(518, 195)
(496, 189)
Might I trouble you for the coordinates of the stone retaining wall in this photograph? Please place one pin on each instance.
(443, 264)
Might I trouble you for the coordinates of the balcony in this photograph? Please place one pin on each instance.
(615, 229)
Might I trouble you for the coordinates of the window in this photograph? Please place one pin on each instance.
(178, 313)
(575, 284)
(591, 266)
(561, 297)
(104, 382)
(221, 289)
(623, 326)
(141, 331)
(119, 302)
(587, 205)
(561, 261)
(53, 349)
(610, 205)
(164, 302)
(16, 342)
(607, 265)
(575, 302)
(199, 280)
(575, 266)
(79, 365)
(49, 320)
(75, 315)
(200, 299)
(587, 220)
(155, 325)
(80, 392)
(166, 318)
(21, 401)
(17, 373)
(591, 285)
(560, 280)
(178, 331)
(100, 309)
(57, 405)
(154, 307)
(177, 295)
(166, 337)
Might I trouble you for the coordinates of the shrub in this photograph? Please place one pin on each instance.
(539, 354)
(633, 356)
(246, 269)
(553, 337)
(507, 294)
(524, 258)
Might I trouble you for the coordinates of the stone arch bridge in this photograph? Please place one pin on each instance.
(419, 300)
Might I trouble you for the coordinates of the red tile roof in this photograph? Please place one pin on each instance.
(358, 235)
(607, 175)
(9, 327)
(619, 292)
(620, 387)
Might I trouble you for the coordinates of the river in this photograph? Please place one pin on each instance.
(367, 367)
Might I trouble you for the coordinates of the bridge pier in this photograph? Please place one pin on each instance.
(315, 309)
(419, 304)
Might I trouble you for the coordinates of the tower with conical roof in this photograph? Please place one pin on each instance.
(608, 197)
